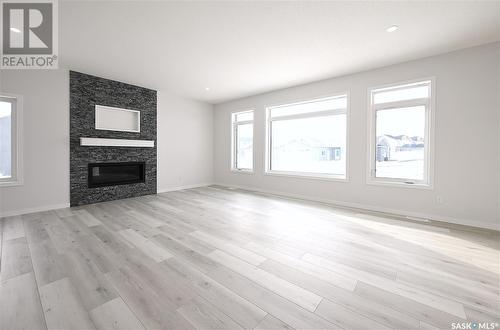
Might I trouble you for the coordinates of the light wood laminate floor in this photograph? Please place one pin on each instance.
(219, 258)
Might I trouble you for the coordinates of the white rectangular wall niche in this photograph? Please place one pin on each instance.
(117, 119)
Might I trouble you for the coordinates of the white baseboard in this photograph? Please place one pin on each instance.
(33, 210)
(397, 212)
(191, 186)
(65, 205)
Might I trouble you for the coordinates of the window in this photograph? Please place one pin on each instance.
(308, 138)
(9, 140)
(242, 137)
(400, 134)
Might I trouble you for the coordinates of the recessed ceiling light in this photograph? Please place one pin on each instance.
(207, 88)
(392, 28)
(15, 30)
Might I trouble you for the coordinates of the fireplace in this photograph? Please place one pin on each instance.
(113, 174)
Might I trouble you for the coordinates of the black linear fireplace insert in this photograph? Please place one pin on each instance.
(112, 174)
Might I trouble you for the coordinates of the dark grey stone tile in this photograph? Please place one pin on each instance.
(85, 92)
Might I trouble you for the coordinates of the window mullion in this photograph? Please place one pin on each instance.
(402, 87)
(235, 147)
(244, 122)
(401, 104)
(310, 115)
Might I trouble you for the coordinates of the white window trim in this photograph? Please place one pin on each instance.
(17, 142)
(234, 125)
(429, 136)
(308, 175)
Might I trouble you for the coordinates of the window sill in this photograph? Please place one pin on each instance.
(242, 171)
(312, 176)
(396, 184)
(10, 183)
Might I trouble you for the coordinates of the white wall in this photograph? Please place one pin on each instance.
(467, 163)
(46, 141)
(185, 142)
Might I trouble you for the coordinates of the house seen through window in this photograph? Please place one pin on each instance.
(400, 133)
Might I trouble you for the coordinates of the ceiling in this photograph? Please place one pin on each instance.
(238, 49)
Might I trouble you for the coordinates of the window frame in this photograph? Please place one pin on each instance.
(234, 146)
(307, 175)
(16, 178)
(429, 104)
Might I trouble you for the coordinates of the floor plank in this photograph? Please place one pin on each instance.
(87, 218)
(274, 304)
(62, 306)
(145, 218)
(150, 249)
(272, 323)
(35, 231)
(301, 297)
(378, 311)
(92, 286)
(435, 301)
(47, 263)
(16, 258)
(187, 253)
(346, 318)
(13, 228)
(20, 306)
(422, 312)
(240, 310)
(243, 254)
(152, 310)
(336, 279)
(205, 316)
(115, 314)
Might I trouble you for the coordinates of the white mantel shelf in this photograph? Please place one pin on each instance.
(100, 142)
